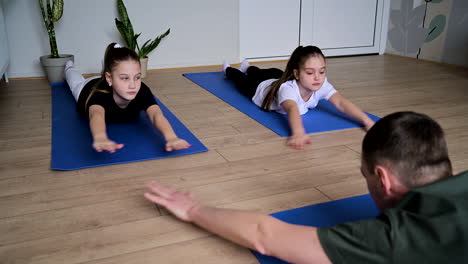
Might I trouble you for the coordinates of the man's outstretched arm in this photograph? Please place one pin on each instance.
(263, 233)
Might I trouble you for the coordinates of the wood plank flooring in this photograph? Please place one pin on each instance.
(98, 215)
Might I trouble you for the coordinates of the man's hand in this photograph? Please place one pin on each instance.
(178, 203)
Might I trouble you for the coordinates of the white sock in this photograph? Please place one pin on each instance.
(68, 65)
(225, 66)
(244, 66)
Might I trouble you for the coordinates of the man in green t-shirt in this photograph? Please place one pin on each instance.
(409, 175)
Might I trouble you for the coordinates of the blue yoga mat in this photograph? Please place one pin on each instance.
(72, 141)
(324, 117)
(326, 214)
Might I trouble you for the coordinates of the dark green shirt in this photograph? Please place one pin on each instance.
(429, 225)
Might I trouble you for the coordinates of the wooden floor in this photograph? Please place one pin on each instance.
(98, 215)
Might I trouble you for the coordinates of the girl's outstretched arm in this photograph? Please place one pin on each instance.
(347, 107)
(263, 233)
(298, 138)
(97, 125)
(160, 123)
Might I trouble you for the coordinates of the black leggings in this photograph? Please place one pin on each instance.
(247, 83)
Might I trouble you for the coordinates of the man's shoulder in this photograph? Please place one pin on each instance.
(450, 186)
(463, 174)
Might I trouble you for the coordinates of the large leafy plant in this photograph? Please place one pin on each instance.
(52, 14)
(125, 28)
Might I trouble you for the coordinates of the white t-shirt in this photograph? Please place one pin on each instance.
(290, 91)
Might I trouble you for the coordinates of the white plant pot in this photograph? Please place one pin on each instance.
(54, 67)
(144, 66)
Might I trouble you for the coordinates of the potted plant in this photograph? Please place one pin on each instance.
(53, 63)
(125, 28)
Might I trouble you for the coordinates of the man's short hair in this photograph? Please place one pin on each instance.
(412, 145)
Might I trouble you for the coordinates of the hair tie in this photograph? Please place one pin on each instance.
(117, 45)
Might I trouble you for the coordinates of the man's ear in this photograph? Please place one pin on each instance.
(108, 78)
(386, 179)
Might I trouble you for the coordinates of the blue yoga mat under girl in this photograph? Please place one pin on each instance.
(72, 141)
(324, 117)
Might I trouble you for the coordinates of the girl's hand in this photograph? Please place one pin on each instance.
(178, 203)
(176, 144)
(106, 144)
(298, 141)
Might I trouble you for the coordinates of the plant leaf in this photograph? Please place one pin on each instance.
(123, 13)
(44, 16)
(57, 10)
(125, 26)
(136, 36)
(149, 45)
(136, 42)
(126, 35)
(49, 8)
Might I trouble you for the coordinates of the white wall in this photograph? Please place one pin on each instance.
(203, 32)
(4, 58)
(269, 34)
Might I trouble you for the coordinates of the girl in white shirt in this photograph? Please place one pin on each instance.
(294, 91)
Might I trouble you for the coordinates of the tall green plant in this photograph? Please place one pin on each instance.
(53, 14)
(125, 28)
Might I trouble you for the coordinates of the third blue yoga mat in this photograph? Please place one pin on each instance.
(325, 117)
(72, 141)
(325, 214)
